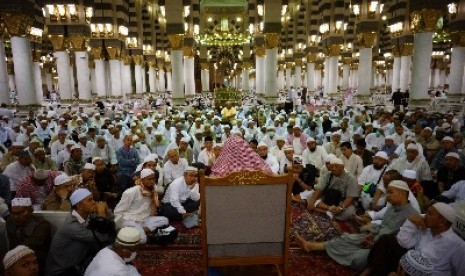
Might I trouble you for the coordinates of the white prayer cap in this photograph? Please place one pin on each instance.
(412, 146)
(69, 143)
(21, 201)
(414, 263)
(128, 236)
(44, 122)
(262, 144)
(428, 128)
(218, 145)
(89, 166)
(75, 147)
(78, 195)
(445, 210)
(297, 126)
(448, 138)
(336, 161)
(146, 172)
(226, 126)
(389, 137)
(311, 139)
(280, 138)
(454, 155)
(96, 158)
(82, 135)
(382, 154)
(368, 124)
(192, 169)
(198, 119)
(61, 179)
(185, 139)
(399, 184)
(41, 174)
(336, 133)
(17, 144)
(329, 157)
(287, 147)
(151, 158)
(14, 255)
(110, 126)
(410, 174)
(157, 133)
(133, 125)
(139, 167)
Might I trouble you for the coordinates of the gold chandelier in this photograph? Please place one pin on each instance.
(225, 35)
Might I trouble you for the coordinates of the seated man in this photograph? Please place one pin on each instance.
(174, 167)
(450, 173)
(43, 162)
(75, 162)
(412, 161)
(115, 260)
(336, 193)
(86, 180)
(304, 180)
(58, 199)
(353, 249)
(15, 260)
(207, 152)
(105, 182)
(37, 186)
(370, 180)
(182, 198)
(262, 150)
(25, 229)
(138, 207)
(19, 169)
(74, 245)
(455, 195)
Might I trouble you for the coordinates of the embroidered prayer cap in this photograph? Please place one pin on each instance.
(185, 139)
(410, 174)
(21, 201)
(399, 184)
(151, 158)
(280, 138)
(16, 254)
(336, 161)
(191, 169)
(412, 146)
(329, 157)
(157, 133)
(146, 172)
(218, 145)
(61, 179)
(82, 136)
(270, 128)
(382, 154)
(69, 143)
(287, 148)
(75, 147)
(96, 158)
(89, 166)
(297, 126)
(128, 236)
(44, 122)
(310, 139)
(454, 155)
(389, 137)
(238, 156)
(448, 138)
(445, 210)
(78, 195)
(415, 264)
(297, 159)
(262, 145)
(41, 174)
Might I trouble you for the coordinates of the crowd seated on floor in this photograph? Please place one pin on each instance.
(123, 173)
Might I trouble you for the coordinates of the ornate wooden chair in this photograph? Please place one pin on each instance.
(245, 219)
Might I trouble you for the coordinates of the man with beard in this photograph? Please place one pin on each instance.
(58, 199)
(312, 130)
(369, 181)
(103, 150)
(278, 150)
(314, 154)
(105, 182)
(262, 150)
(413, 162)
(451, 173)
(138, 207)
(43, 162)
(37, 186)
(174, 167)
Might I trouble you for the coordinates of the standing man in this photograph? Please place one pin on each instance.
(128, 159)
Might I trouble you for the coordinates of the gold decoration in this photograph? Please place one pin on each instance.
(346, 61)
(138, 60)
(271, 40)
(96, 52)
(36, 55)
(204, 66)
(151, 63)
(354, 66)
(113, 52)
(260, 51)
(160, 67)
(77, 42)
(281, 67)
(311, 57)
(406, 49)
(188, 51)
(17, 24)
(126, 59)
(289, 65)
(425, 20)
(367, 39)
(176, 41)
(168, 68)
(457, 39)
(58, 42)
(91, 64)
(318, 66)
(298, 62)
(334, 50)
(247, 178)
(396, 51)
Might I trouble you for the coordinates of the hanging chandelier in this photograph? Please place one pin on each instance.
(224, 35)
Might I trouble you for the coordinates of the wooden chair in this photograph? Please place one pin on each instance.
(245, 220)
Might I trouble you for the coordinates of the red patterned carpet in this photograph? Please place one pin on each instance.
(184, 257)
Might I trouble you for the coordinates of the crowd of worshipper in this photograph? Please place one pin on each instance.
(135, 168)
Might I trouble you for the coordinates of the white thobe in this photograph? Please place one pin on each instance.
(15, 173)
(172, 171)
(178, 192)
(107, 262)
(316, 158)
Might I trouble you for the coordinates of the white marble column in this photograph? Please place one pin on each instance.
(260, 75)
(4, 89)
(281, 78)
(311, 77)
(288, 76)
(161, 80)
(169, 80)
(38, 82)
(298, 75)
(48, 81)
(422, 49)
(364, 71)
(405, 64)
(326, 76)
(177, 77)
(138, 75)
(126, 84)
(100, 78)
(115, 78)
(189, 80)
(64, 75)
(245, 80)
(11, 82)
(24, 77)
(271, 70)
(318, 79)
(332, 74)
(457, 62)
(442, 78)
(396, 65)
(345, 75)
(73, 83)
(93, 81)
(205, 79)
(144, 79)
(83, 75)
(152, 79)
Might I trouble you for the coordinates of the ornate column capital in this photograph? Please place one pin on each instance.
(96, 52)
(425, 20)
(260, 51)
(204, 66)
(366, 39)
(246, 65)
(346, 61)
(77, 41)
(289, 65)
(113, 52)
(298, 62)
(271, 40)
(334, 50)
(36, 55)
(58, 42)
(406, 49)
(188, 51)
(311, 57)
(160, 67)
(457, 39)
(138, 60)
(17, 24)
(91, 64)
(176, 41)
(318, 66)
(168, 68)
(354, 66)
(151, 63)
(396, 51)
(281, 67)
(126, 59)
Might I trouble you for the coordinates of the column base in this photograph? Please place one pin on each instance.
(423, 103)
(272, 100)
(456, 102)
(178, 101)
(363, 99)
